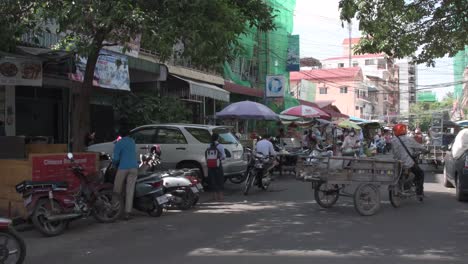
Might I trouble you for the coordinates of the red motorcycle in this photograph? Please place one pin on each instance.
(12, 247)
(51, 205)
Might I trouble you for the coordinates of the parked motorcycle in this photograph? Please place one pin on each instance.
(12, 246)
(180, 187)
(51, 205)
(258, 172)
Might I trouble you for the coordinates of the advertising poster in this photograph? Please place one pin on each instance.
(275, 86)
(293, 63)
(19, 71)
(111, 71)
(56, 167)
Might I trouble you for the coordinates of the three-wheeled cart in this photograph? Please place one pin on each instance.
(331, 176)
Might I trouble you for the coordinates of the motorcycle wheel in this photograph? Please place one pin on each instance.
(326, 195)
(39, 218)
(239, 179)
(156, 211)
(187, 201)
(394, 195)
(195, 200)
(249, 182)
(105, 209)
(11, 244)
(367, 199)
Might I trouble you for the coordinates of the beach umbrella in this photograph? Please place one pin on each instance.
(348, 125)
(247, 110)
(305, 111)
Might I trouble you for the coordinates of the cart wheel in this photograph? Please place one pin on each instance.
(394, 194)
(367, 199)
(326, 195)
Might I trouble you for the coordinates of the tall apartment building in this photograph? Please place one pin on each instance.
(407, 85)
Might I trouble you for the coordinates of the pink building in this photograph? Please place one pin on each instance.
(343, 86)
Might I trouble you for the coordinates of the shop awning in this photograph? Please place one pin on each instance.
(239, 89)
(206, 90)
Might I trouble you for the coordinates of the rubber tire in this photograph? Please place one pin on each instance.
(108, 192)
(249, 182)
(238, 180)
(189, 198)
(157, 210)
(357, 196)
(391, 197)
(196, 199)
(446, 181)
(462, 197)
(62, 225)
(22, 246)
(317, 197)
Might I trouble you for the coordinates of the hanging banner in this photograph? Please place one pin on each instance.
(293, 63)
(275, 86)
(20, 71)
(111, 71)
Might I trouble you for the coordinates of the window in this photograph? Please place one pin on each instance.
(323, 90)
(170, 136)
(361, 110)
(343, 89)
(340, 65)
(381, 64)
(357, 107)
(144, 136)
(200, 134)
(225, 136)
(370, 62)
(355, 64)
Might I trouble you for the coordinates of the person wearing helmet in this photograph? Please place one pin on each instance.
(403, 147)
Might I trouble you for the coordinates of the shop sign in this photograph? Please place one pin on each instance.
(111, 71)
(56, 167)
(275, 86)
(20, 71)
(293, 60)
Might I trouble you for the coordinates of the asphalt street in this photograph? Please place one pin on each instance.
(282, 225)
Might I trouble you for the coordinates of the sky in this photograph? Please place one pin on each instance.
(321, 34)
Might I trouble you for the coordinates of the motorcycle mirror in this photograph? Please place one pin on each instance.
(70, 155)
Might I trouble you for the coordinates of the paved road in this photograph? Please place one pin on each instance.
(283, 225)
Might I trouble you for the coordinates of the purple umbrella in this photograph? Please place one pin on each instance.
(247, 110)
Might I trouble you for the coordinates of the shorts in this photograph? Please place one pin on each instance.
(216, 177)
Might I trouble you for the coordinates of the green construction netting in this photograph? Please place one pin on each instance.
(460, 62)
(265, 53)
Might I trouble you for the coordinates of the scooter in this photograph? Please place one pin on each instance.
(149, 196)
(13, 248)
(51, 205)
(181, 187)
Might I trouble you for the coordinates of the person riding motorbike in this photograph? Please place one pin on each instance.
(403, 147)
(266, 148)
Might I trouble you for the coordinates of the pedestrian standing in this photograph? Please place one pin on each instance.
(214, 156)
(127, 172)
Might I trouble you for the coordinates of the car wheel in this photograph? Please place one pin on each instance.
(446, 181)
(458, 190)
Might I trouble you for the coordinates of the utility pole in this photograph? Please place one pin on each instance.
(349, 31)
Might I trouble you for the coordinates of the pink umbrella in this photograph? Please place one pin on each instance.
(305, 111)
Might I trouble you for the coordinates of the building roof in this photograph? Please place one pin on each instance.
(362, 56)
(325, 74)
(244, 90)
(353, 41)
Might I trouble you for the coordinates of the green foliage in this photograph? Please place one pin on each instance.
(422, 111)
(147, 108)
(400, 27)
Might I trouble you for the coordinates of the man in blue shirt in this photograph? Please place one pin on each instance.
(125, 157)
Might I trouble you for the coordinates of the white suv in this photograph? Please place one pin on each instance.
(184, 146)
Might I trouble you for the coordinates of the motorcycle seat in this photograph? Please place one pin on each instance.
(21, 187)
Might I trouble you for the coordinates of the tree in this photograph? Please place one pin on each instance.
(400, 28)
(421, 112)
(207, 30)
